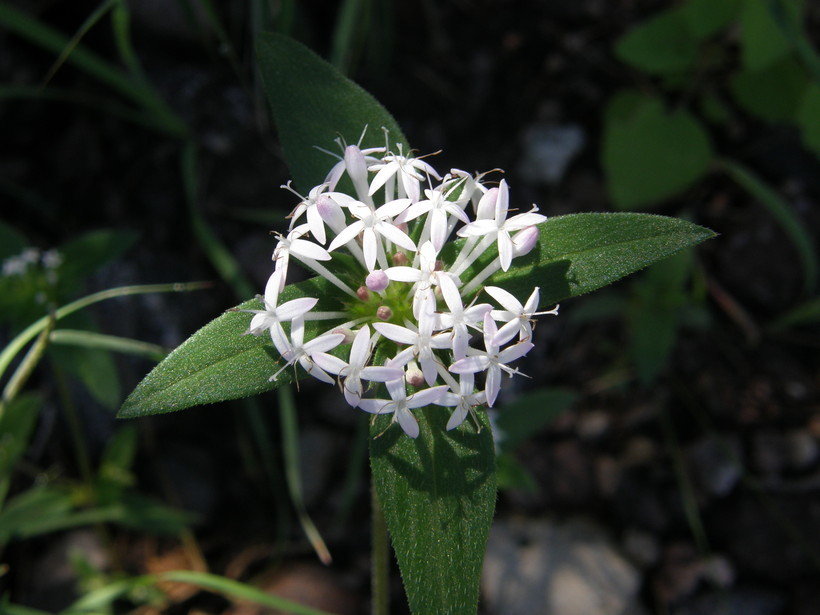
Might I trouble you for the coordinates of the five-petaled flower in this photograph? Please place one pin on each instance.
(411, 293)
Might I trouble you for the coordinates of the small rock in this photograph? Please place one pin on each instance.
(548, 150)
(561, 569)
(715, 464)
(741, 601)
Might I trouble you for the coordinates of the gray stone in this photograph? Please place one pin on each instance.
(539, 566)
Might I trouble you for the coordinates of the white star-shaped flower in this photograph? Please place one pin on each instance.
(373, 225)
(400, 405)
(500, 226)
(492, 359)
(517, 317)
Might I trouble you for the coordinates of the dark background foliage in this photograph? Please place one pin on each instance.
(697, 457)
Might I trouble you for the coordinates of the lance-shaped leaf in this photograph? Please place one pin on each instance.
(438, 496)
(220, 362)
(313, 104)
(579, 253)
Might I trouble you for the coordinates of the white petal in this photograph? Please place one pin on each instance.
(403, 274)
(479, 228)
(492, 384)
(515, 352)
(425, 397)
(377, 406)
(395, 235)
(317, 225)
(370, 247)
(346, 235)
(360, 349)
(408, 422)
(396, 333)
(328, 362)
(308, 249)
(449, 291)
(505, 298)
(470, 365)
(505, 250)
(377, 373)
(457, 417)
(295, 308)
(323, 343)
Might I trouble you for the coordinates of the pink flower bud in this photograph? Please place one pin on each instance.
(525, 240)
(399, 259)
(348, 333)
(362, 293)
(414, 376)
(384, 313)
(377, 280)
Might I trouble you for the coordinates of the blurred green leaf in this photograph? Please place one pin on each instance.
(704, 18)
(785, 216)
(528, 414)
(804, 314)
(772, 93)
(16, 425)
(313, 104)
(655, 312)
(762, 41)
(513, 475)
(661, 44)
(438, 496)
(650, 154)
(86, 254)
(12, 241)
(93, 367)
(808, 118)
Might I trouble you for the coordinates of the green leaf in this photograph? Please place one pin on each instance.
(650, 154)
(655, 313)
(704, 18)
(438, 496)
(16, 425)
(762, 40)
(579, 253)
(313, 104)
(773, 93)
(12, 241)
(661, 44)
(528, 414)
(220, 362)
(576, 254)
(784, 215)
(807, 118)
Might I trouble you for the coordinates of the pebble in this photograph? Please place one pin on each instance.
(542, 566)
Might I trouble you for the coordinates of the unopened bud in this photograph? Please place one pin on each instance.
(348, 333)
(525, 240)
(414, 376)
(384, 313)
(399, 259)
(362, 293)
(377, 280)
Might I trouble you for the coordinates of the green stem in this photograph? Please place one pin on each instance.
(22, 373)
(34, 329)
(380, 565)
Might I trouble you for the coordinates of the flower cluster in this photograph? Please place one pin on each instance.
(413, 292)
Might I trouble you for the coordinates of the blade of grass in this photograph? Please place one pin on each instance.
(84, 28)
(92, 339)
(236, 590)
(27, 365)
(222, 260)
(290, 446)
(783, 215)
(34, 329)
(50, 39)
